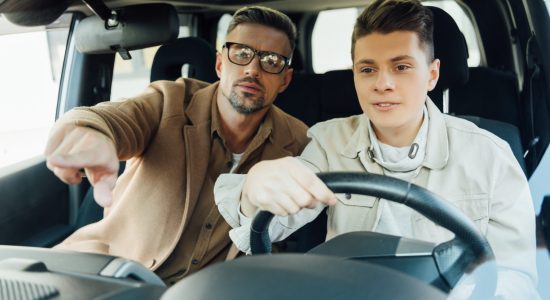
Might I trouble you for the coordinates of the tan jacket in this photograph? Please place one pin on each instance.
(166, 132)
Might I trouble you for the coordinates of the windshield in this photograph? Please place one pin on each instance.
(31, 60)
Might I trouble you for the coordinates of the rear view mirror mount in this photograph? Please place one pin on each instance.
(128, 28)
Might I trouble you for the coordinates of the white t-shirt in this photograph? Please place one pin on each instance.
(236, 158)
(402, 163)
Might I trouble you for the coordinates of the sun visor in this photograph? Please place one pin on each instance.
(31, 12)
(135, 27)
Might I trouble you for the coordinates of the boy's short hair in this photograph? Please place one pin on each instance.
(387, 16)
(267, 17)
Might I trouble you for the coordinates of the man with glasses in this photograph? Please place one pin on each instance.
(179, 136)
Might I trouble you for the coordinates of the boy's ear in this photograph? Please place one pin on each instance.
(434, 74)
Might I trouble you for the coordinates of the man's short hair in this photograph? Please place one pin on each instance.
(387, 16)
(267, 17)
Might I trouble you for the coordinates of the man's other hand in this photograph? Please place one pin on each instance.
(283, 187)
(71, 149)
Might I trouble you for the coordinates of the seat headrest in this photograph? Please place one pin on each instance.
(450, 47)
(338, 95)
(199, 54)
(297, 61)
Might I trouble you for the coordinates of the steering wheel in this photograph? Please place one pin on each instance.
(453, 258)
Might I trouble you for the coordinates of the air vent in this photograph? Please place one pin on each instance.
(24, 290)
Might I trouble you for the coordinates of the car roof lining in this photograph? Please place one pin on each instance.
(232, 5)
(50, 7)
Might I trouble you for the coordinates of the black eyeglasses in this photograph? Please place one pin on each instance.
(242, 55)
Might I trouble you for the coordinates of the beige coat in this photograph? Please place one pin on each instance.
(469, 167)
(166, 132)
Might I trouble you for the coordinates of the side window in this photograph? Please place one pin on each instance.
(223, 24)
(131, 76)
(31, 59)
(335, 27)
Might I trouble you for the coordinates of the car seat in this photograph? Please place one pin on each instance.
(195, 52)
(450, 47)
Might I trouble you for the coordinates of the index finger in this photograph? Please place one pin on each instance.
(311, 183)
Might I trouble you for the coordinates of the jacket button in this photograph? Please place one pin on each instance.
(347, 195)
(208, 226)
(195, 261)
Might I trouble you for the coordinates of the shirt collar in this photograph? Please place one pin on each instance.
(391, 158)
(437, 147)
(437, 144)
(215, 115)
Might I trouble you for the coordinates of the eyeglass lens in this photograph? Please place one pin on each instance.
(269, 61)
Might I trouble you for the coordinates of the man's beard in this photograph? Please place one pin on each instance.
(239, 103)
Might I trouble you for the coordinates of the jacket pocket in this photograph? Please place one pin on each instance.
(356, 200)
(351, 213)
(476, 207)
